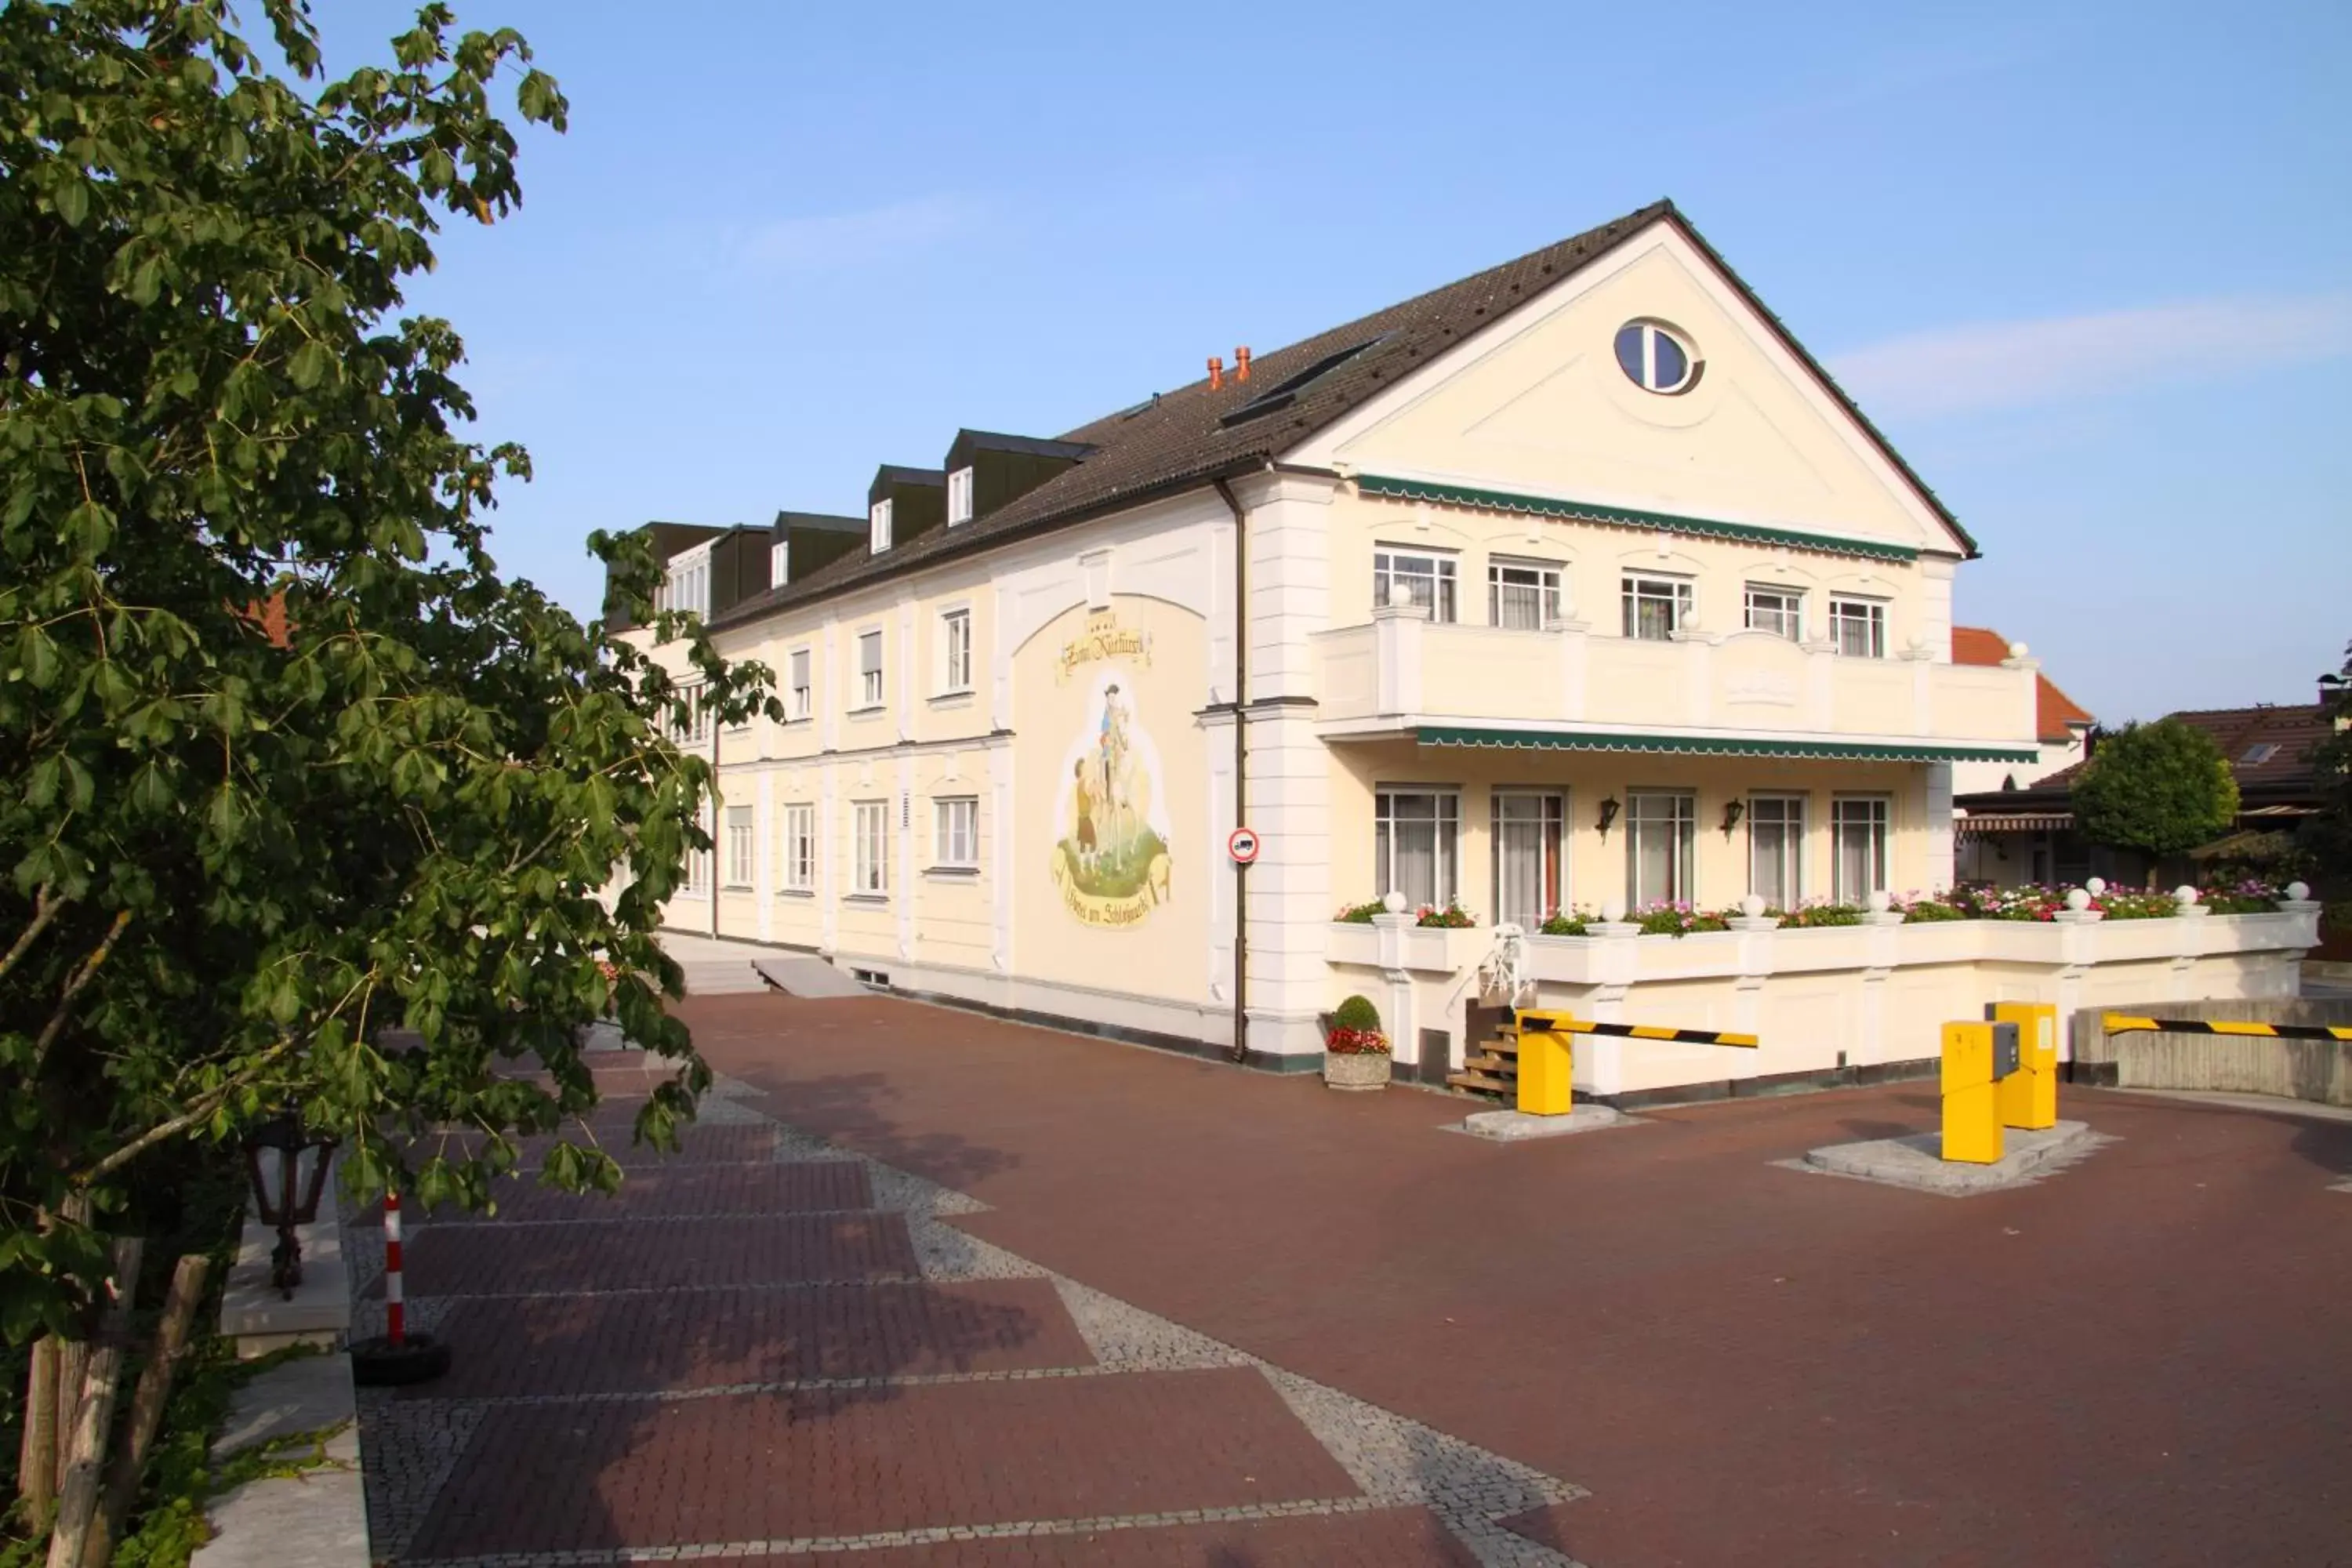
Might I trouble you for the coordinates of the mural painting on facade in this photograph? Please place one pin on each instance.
(1111, 858)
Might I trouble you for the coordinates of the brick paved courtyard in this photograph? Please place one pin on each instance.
(929, 1289)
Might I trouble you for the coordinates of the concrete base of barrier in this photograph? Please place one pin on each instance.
(1916, 1161)
(1517, 1126)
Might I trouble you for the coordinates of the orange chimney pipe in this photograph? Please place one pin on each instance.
(1241, 363)
(1216, 371)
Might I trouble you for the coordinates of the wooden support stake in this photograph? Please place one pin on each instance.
(147, 1404)
(36, 1456)
(77, 1494)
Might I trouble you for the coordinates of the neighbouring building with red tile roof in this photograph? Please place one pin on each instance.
(2028, 834)
(2062, 725)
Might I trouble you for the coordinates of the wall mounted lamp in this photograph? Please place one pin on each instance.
(1732, 812)
(1609, 810)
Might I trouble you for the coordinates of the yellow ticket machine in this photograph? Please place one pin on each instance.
(1976, 1057)
(2029, 1097)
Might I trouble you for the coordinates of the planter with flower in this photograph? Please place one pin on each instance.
(1354, 1051)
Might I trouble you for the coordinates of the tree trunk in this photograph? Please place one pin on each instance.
(73, 1367)
(77, 1494)
(147, 1407)
(37, 1457)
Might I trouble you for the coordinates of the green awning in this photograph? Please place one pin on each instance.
(1623, 517)
(1717, 746)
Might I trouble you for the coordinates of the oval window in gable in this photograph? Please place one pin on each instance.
(1657, 358)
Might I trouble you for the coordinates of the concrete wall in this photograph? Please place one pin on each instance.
(2318, 1070)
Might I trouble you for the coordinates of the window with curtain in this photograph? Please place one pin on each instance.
(955, 837)
(1522, 596)
(869, 848)
(1776, 845)
(800, 848)
(1656, 607)
(1858, 627)
(740, 855)
(1415, 576)
(1661, 831)
(1529, 879)
(1414, 847)
(955, 651)
(1779, 611)
(1858, 830)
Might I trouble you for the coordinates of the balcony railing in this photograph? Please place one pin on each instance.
(1401, 669)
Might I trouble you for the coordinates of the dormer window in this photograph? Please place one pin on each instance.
(878, 520)
(960, 496)
(780, 563)
(686, 589)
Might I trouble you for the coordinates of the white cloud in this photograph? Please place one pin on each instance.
(2007, 364)
(850, 238)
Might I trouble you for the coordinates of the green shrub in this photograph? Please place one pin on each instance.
(1357, 1013)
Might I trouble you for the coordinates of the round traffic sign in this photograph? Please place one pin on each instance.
(1242, 845)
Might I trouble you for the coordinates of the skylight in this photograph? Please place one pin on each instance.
(1285, 393)
(2258, 754)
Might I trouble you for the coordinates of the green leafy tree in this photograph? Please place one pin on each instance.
(2160, 789)
(300, 801)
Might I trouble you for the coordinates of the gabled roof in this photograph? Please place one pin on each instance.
(2284, 772)
(1183, 439)
(2055, 714)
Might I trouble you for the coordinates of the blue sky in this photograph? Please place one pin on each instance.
(2091, 268)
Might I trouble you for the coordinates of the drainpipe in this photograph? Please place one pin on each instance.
(719, 825)
(1241, 767)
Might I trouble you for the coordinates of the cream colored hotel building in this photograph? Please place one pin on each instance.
(1576, 584)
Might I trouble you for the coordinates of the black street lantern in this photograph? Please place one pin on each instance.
(287, 1190)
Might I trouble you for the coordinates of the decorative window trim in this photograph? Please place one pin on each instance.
(1644, 373)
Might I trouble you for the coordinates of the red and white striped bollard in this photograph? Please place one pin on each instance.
(394, 1313)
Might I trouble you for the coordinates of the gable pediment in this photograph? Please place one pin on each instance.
(1540, 405)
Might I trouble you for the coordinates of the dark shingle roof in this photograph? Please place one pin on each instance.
(1178, 440)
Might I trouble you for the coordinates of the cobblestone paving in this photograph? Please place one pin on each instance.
(773, 1351)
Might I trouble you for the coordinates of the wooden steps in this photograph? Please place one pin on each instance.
(1495, 1072)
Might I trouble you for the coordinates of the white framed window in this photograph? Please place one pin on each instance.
(696, 730)
(1415, 576)
(869, 670)
(799, 847)
(1658, 608)
(686, 586)
(739, 854)
(1416, 847)
(1780, 611)
(869, 831)
(955, 651)
(1522, 596)
(960, 496)
(1657, 357)
(878, 531)
(1776, 849)
(780, 563)
(1858, 834)
(1531, 878)
(802, 691)
(955, 830)
(1858, 627)
(697, 881)
(1661, 837)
